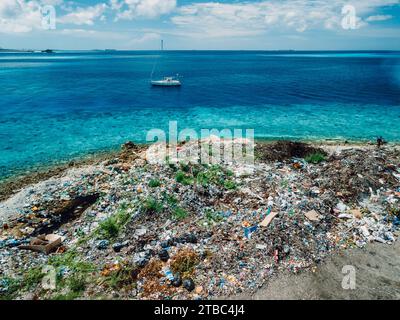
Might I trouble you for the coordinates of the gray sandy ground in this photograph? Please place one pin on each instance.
(377, 277)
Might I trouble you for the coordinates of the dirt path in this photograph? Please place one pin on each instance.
(377, 277)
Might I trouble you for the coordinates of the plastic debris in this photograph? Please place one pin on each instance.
(168, 273)
(235, 227)
(249, 231)
(268, 219)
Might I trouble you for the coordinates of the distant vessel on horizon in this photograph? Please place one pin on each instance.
(166, 81)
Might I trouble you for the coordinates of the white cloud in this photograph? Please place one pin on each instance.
(21, 16)
(84, 16)
(18, 16)
(131, 9)
(116, 4)
(379, 18)
(215, 19)
(239, 18)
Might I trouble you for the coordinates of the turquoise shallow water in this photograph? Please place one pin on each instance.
(54, 107)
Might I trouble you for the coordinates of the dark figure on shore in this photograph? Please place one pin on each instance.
(380, 142)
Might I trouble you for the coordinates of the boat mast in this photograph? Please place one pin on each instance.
(155, 63)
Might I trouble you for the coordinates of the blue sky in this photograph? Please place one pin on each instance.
(202, 24)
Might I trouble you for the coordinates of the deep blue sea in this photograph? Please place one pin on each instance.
(58, 106)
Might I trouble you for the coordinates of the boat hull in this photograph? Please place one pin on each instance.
(163, 83)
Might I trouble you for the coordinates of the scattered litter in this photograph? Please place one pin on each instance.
(342, 207)
(356, 213)
(249, 231)
(266, 222)
(168, 273)
(205, 231)
(345, 216)
(45, 243)
(312, 215)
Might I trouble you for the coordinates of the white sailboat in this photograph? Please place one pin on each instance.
(166, 81)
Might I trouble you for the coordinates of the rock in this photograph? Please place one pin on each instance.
(102, 244)
(117, 246)
(129, 145)
(191, 238)
(177, 281)
(140, 232)
(149, 253)
(141, 263)
(164, 244)
(163, 255)
(167, 243)
(188, 284)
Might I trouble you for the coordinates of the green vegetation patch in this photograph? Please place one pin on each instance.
(9, 287)
(152, 205)
(179, 214)
(315, 158)
(154, 183)
(184, 178)
(124, 277)
(112, 226)
(73, 274)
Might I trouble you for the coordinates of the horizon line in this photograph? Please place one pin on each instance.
(172, 50)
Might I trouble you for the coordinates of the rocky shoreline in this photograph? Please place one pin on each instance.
(10, 185)
(134, 230)
(23, 178)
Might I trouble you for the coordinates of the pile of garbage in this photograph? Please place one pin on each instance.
(128, 229)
